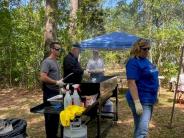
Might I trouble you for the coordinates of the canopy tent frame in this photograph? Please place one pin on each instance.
(176, 88)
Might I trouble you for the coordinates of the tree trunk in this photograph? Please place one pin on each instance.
(160, 55)
(73, 17)
(50, 24)
(7, 43)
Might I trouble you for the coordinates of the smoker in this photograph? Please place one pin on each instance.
(104, 88)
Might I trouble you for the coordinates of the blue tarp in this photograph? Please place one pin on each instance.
(111, 41)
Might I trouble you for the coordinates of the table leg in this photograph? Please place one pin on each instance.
(99, 122)
(61, 131)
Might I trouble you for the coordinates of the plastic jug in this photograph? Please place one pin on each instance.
(67, 98)
(76, 98)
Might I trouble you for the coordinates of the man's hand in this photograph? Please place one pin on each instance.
(60, 82)
(86, 75)
(138, 107)
(98, 70)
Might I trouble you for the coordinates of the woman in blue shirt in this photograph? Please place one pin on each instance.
(142, 77)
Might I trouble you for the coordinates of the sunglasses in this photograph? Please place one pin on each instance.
(145, 49)
(57, 49)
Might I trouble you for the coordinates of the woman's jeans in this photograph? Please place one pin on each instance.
(141, 122)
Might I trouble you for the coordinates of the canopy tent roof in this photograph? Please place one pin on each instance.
(112, 41)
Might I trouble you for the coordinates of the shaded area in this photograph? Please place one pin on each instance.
(17, 103)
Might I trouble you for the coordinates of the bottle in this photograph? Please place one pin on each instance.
(76, 98)
(67, 99)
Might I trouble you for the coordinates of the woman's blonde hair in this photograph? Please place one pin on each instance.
(135, 51)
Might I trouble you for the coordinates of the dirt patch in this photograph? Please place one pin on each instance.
(16, 103)
(14, 96)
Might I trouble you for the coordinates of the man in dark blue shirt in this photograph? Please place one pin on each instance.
(72, 65)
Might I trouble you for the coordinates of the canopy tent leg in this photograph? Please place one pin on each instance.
(176, 88)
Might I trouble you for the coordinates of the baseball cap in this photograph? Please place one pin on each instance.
(76, 45)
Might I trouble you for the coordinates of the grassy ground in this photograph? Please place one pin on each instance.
(16, 103)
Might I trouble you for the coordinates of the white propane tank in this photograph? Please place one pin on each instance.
(81, 132)
(108, 107)
(76, 98)
(67, 98)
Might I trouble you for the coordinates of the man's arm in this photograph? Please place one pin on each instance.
(88, 67)
(44, 78)
(101, 68)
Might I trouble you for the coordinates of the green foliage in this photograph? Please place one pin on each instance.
(159, 21)
(22, 28)
(90, 19)
(21, 45)
(169, 70)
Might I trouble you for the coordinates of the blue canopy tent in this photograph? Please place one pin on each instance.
(110, 41)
